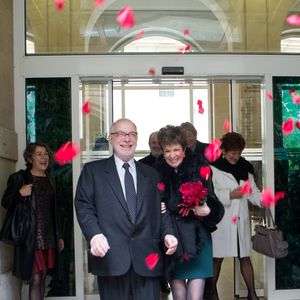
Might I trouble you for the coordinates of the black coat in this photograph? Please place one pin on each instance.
(101, 208)
(190, 230)
(24, 253)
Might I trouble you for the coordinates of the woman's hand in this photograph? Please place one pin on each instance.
(236, 194)
(61, 245)
(163, 207)
(26, 190)
(201, 210)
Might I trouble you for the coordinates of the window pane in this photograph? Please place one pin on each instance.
(48, 119)
(214, 26)
(287, 162)
(248, 110)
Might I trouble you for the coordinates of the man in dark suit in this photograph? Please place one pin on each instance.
(125, 241)
(190, 133)
(155, 150)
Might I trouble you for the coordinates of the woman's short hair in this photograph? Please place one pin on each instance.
(171, 135)
(29, 151)
(233, 141)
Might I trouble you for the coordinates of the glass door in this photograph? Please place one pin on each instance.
(247, 99)
(153, 103)
(94, 127)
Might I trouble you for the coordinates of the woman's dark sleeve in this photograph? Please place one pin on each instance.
(12, 195)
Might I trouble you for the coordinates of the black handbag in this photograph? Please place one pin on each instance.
(269, 241)
(16, 224)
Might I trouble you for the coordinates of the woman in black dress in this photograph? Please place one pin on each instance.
(192, 263)
(39, 252)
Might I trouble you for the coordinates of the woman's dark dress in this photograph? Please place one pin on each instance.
(193, 258)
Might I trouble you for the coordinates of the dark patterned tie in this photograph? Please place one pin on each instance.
(130, 192)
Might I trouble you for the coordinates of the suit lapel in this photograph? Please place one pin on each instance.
(113, 180)
(142, 181)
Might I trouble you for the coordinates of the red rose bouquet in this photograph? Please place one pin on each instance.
(193, 194)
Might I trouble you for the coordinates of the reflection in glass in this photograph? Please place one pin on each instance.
(48, 119)
(214, 26)
(287, 178)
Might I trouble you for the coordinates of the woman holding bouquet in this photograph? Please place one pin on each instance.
(195, 211)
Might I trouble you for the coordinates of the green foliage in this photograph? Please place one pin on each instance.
(49, 116)
(287, 178)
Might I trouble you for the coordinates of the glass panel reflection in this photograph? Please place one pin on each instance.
(94, 128)
(48, 119)
(287, 178)
(214, 26)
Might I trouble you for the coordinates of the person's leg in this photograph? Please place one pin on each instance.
(144, 287)
(114, 287)
(195, 289)
(35, 286)
(214, 280)
(248, 275)
(179, 289)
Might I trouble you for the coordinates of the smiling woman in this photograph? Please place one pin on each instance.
(39, 253)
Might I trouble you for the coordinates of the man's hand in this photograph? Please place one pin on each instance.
(170, 243)
(99, 245)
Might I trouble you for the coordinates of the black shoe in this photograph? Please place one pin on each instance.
(164, 287)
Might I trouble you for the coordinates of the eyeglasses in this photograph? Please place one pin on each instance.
(131, 134)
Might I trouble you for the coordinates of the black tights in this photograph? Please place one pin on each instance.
(247, 273)
(190, 290)
(37, 286)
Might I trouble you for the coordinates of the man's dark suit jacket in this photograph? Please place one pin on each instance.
(101, 208)
(148, 160)
(200, 147)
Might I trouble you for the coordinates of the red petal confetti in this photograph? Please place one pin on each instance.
(66, 153)
(205, 172)
(212, 151)
(185, 257)
(86, 107)
(226, 126)
(200, 109)
(234, 219)
(151, 260)
(59, 4)
(161, 186)
(268, 199)
(125, 17)
(292, 91)
(297, 124)
(246, 188)
(185, 49)
(99, 2)
(293, 20)
(288, 126)
(269, 96)
(139, 35)
(296, 98)
(279, 195)
(151, 72)
(186, 32)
